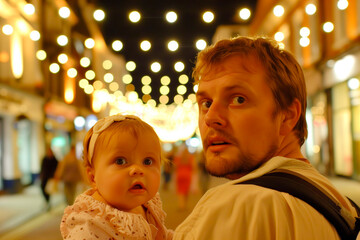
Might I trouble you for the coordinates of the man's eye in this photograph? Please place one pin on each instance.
(120, 161)
(148, 161)
(205, 104)
(238, 100)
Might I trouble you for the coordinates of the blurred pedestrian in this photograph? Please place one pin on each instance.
(184, 163)
(70, 172)
(48, 167)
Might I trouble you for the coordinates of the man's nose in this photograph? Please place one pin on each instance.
(214, 117)
(136, 170)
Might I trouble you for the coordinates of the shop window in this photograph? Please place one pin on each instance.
(353, 85)
(317, 147)
(343, 151)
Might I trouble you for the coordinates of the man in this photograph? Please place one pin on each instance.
(252, 100)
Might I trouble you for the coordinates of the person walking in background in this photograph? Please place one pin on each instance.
(48, 167)
(122, 156)
(252, 105)
(184, 163)
(71, 173)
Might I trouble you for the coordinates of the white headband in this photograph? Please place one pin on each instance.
(101, 125)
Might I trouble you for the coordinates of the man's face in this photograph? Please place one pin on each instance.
(237, 123)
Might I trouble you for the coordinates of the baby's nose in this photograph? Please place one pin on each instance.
(136, 170)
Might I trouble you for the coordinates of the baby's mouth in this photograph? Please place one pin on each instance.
(137, 186)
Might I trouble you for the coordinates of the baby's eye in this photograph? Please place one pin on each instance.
(120, 161)
(238, 100)
(148, 161)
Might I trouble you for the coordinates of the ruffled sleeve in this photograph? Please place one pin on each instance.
(157, 218)
(92, 219)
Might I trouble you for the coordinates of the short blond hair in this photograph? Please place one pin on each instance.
(284, 74)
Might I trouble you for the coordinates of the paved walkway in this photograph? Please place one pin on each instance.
(24, 217)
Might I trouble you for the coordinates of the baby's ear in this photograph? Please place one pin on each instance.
(91, 176)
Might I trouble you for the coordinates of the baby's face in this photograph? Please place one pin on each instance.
(127, 170)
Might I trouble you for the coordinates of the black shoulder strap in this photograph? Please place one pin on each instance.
(302, 189)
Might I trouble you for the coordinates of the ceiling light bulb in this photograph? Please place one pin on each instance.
(208, 16)
(171, 17)
(134, 16)
(244, 14)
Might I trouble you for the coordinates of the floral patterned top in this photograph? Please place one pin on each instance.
(89, 218)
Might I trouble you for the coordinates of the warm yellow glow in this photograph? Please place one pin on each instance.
(328, 27)
(173, 45)
(134, 16)
(310, 9)
(279, 36)
(98, 85)
(304, 32)
(16, 56)
(108, 77)
(7, 29)
(96, 106)
(62, 40)
(117, 45)
(83, 83)
(201, 44)
(171, 16)
(179, 66)
(64, 12)
(146, 80)
(107, 64)
(145, 45)
(90, 43)
(181, 89)
(29, 9)
(69, 89)
(208, 17)
(35, 35)
(90, 75)
(146, 89)
(72, 72)
(183, 79)
(304, 41)
(130, 66)
(127, 79)
(85, 62)
(155, 67)
(132, 96)
(164, 99)
(164, 90)
(178, 99)
(99, 15)
(278, 10)
(89, 89)
(342, 4)
(192, 97)
(245, 13)
(114, 86)
(41, 55)
(63, 58)
(54, 68)
(165, 80)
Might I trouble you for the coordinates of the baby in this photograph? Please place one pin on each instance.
(122, 156)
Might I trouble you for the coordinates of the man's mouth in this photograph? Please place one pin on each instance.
(215, 143)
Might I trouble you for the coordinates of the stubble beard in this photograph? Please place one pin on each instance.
(245, 163)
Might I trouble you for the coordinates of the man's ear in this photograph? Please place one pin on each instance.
(91, 176)
(291, 117)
